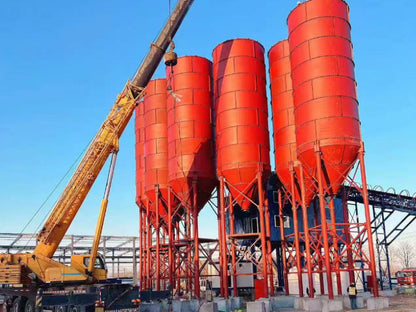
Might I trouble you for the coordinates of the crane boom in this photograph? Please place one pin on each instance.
(106, 140)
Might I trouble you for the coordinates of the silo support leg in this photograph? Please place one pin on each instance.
(262, 231)
(283, 243)
(324, 224)
(306, 231)
(368, 219)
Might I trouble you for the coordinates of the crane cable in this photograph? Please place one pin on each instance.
(70, 169)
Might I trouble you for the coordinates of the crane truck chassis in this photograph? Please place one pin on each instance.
(33, 282)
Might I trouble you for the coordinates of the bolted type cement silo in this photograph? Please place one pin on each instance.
(190, 129)
(243, 163)
(324, 88)
(191, 161)
(242, 136)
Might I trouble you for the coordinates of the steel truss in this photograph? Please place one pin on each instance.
(329, 247)
(384, 205)
(174, 256)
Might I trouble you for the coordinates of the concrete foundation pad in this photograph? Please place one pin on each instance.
(360, 302)
(236, 303)
(387, 293)
(267, 304)
(282, 302)
(177, 305)
(308, 304)
(185, 305)
(209, 307)
(332, 305)
(365, 294)
(377, 303)
(298, 303)
(150, 307)
(194, 304)
(224, 305)
(256, 306)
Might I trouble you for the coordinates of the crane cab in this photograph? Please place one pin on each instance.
(81, 262)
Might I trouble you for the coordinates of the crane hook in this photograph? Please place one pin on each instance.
(171, 58)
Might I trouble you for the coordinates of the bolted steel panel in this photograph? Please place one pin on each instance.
(156, 144)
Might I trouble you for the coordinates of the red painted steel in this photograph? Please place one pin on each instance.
(284, 118)
(141, 198)
(242, 136)
(190, 141)
(156, 144)
(324, 88)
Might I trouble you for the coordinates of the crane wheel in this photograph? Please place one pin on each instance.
(18, 304)
(29, 306)
(61, 309)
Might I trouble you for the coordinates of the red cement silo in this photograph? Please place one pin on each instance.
(141, 198)
(156, 144)
(242, 136)
(284, 118)
(324, 88)
(191, 150)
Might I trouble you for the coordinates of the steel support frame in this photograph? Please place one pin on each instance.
(155, 268)
(292, 253)
(184, 242)
(331, 242)
(385, 238)
(258, 252)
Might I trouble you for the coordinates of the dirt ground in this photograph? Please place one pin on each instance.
(399, 303)
(402, 303)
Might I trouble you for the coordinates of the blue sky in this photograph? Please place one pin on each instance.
(62, 65)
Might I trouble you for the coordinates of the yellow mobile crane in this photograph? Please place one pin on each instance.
(26, 279)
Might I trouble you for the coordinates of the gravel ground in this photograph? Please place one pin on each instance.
(398, 303)
(402, 303)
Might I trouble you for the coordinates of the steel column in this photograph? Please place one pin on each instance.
(368, 218)
(262, 230)
(283, 243)
(296, 230)
(308, 257)
(323, 222)
(269, 247)
(233, 251)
